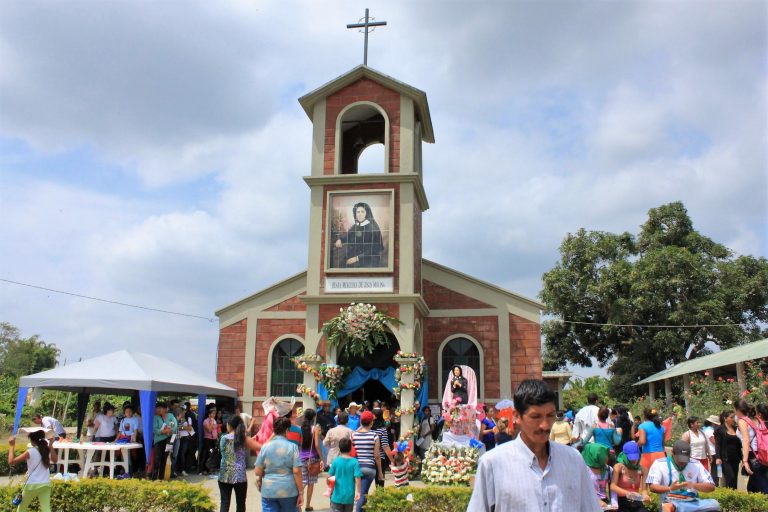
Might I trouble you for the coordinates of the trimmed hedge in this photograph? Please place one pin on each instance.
(738, 501)
(119, 496)
(456, 499)
(425, 499)
(5, 469)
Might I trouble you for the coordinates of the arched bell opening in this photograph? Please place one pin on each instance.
(362, 125)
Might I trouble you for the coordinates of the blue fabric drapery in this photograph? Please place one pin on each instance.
(148, 400)
(359, 376)
(20, 399)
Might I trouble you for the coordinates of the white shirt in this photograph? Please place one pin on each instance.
(698, 444)
(106, 426)
(584, 419)
(709, 433)
(693, 472)
(38, 474)
(509, 478)
(55, 425)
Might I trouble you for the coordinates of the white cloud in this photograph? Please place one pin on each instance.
(548, 117)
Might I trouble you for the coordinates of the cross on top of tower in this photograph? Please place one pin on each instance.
(368, 24)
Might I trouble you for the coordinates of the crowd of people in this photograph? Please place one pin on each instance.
(599, 458)
(624, 457)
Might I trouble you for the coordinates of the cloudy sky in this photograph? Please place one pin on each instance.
(152, 153)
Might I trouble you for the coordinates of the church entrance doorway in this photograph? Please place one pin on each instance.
(372, 389)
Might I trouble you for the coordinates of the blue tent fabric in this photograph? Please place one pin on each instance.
(201, 415)
(20, 399)
(148, 400)
(358, 377)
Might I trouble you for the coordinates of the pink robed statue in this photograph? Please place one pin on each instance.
(461, 384)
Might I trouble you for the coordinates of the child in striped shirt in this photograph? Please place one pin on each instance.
(400, 470)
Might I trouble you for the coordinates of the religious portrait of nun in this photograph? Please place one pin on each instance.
(357, 240)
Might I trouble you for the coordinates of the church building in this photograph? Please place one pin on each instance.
(365, 245)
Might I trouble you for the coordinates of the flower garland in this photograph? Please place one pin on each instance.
(303, 389)
(410, 433)
(332, 378)
(360, 328)
(408, 410)
(300, 362)
(417, 368)
(449, 465)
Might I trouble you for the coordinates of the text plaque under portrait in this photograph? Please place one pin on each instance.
(359, 284)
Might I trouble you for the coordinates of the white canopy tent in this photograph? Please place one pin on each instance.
(124, 371)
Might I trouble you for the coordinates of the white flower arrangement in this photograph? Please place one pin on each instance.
(449, 465)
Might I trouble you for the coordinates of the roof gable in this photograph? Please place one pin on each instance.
(418, 96)
(482, 291)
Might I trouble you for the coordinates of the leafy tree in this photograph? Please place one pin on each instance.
(668, 275)
(578, 390)
(22, 356)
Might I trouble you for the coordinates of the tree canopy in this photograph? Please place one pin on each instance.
(23, 356)
(578, 390)
(667, 275)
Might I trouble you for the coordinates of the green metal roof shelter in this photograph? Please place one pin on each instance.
(735, 356)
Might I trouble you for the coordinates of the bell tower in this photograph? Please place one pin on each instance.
(365, 228)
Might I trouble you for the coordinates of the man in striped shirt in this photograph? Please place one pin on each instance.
(368, 447)
(532, 474)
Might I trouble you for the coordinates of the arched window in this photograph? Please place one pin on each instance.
(285, 376)
(460, 351)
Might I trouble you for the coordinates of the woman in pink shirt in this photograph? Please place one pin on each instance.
(210, 437)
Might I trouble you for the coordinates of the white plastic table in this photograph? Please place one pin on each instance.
(86, 452)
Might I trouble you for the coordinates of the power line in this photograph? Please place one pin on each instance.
(107, 301)
(694, 326)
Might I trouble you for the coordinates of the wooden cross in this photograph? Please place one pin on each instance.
(368, 23)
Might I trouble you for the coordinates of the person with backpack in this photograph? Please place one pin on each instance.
(753, 433)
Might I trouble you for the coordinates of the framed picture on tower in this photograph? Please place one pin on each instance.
(360, 231)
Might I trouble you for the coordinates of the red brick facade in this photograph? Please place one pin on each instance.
(525, 350)
(292, 304)
(267, 331)
(484, 329)
(440, 297)
(230, 367)
(363, 90)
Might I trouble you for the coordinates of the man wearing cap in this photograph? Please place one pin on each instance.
(353, 418)
(678, 473)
